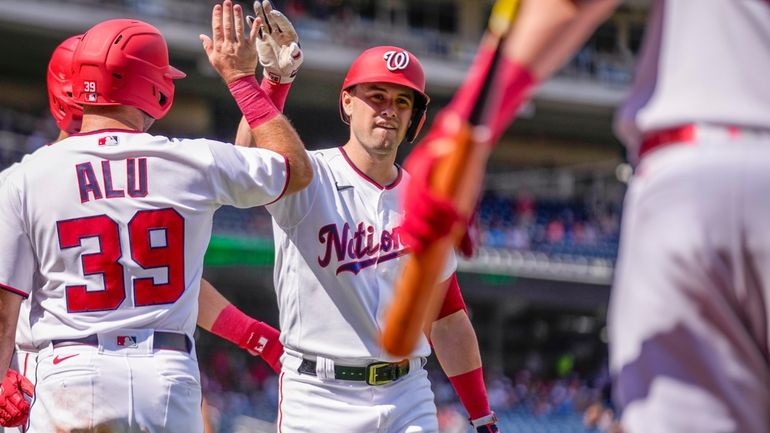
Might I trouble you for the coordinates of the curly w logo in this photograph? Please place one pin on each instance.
(396, 60)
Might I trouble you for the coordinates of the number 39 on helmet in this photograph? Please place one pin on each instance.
(125, 62)
(388, 64)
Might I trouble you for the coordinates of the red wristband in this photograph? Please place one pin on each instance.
(465, 97)
(248, 333)
(514, 84)
(472, 392)
(252, 100)
(517, 83)
(277, 92)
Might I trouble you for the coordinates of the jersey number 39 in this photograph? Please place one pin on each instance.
(143, 253)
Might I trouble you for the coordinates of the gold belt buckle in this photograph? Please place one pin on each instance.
(371, 374)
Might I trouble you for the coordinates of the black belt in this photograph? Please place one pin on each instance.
(161, 340)
(378, 373)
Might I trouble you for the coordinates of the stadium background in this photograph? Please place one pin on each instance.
(538, 289)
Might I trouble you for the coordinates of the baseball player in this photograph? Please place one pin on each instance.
(113, 253)
(68, 116)
(338, 252)
(689, 312)
(688, 317)
(215, 313)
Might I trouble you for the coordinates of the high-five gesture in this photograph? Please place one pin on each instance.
(277, 44)
(231, 51)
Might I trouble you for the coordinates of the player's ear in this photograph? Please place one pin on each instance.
(347, 102)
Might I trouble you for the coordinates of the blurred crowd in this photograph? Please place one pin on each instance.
(577, 227)
(361, 24)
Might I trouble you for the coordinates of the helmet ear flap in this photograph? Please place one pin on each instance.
(419, 114)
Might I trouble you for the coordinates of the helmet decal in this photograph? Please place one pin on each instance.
(396, 60)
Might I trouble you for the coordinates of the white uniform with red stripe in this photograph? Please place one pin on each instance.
(117, 223)
(25, 357)
(689, 317)
(338, 257)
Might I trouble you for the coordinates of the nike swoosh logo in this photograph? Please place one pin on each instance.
(57, 359)
(342, 187)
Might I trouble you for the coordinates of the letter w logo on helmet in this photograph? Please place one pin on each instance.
(396, 60)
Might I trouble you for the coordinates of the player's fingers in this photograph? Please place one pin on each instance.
(263, 30)
(277, 19)
(263, 13)
(26, 386)
(11, 412)
(208, 44)
(238, 23)
(267, 5)
(227, 21)
(216, 24)
(254, 33)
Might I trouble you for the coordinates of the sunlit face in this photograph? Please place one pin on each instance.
(380, 114)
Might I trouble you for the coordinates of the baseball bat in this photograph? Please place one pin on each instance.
(458, 175)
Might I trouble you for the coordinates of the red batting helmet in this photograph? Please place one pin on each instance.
(387, 64)
(67, 113)
(125, 62)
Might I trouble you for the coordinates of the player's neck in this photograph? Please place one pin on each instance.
(96, 118)
(380, 168)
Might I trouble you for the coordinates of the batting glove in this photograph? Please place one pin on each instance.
(486, 424)
(427, 216)
(277, 44)
(14, 407)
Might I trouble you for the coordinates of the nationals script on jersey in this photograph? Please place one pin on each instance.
(338, 258)
(118, 222)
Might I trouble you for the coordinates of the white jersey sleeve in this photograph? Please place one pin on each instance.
(17, 262)
(291, 210)
(247, 177)
(24, 338)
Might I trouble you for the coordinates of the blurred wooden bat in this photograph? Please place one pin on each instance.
(458, 176)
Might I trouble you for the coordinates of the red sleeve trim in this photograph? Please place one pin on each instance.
(285, 185)
(14, 290)
(453, 300)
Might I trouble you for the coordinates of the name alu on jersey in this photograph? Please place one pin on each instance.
(134, 182)
(357, 250)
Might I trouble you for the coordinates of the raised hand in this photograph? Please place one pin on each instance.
(277, 44)
(231, 51)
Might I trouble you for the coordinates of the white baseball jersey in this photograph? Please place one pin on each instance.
(117, 222)
(693, 68)
(689, 312)
(23, 330)
(338, 258)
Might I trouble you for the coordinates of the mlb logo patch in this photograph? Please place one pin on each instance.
(126, 341)
(91, 97)
(261, 343)
(110, 140)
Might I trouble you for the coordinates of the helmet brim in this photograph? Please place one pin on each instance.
(174, 73)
